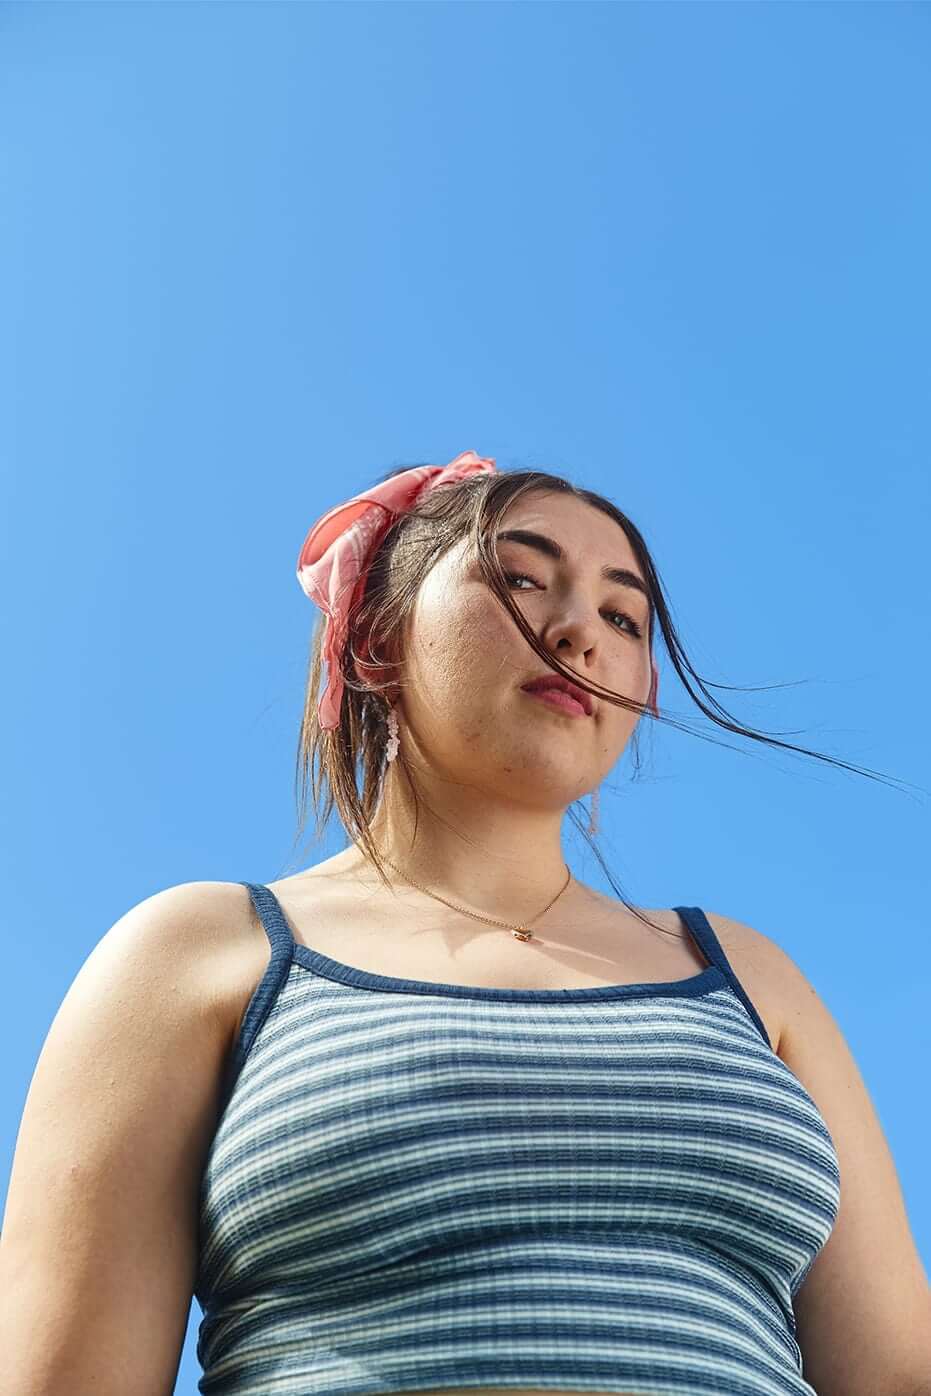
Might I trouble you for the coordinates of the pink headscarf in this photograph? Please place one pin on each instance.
(334, 557)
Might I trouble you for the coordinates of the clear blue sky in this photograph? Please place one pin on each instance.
(252, 256)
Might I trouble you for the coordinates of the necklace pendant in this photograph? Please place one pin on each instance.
(521, 933)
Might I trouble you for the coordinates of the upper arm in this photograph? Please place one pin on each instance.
(863, 1312)
(98, 1251)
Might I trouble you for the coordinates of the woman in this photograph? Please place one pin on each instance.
(432, 1114)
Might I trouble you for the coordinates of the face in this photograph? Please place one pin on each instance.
(461, 705)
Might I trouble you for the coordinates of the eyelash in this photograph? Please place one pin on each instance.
(525, 576)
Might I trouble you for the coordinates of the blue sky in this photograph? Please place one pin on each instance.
(253, 256)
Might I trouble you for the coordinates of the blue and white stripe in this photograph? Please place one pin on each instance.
(415, 1186)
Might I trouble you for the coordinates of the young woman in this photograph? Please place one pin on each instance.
(432, 1114)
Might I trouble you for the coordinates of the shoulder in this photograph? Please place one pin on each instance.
(863, 1326)
(795, 1001)
(186, 924)
(741, 937)
(207, 933)
(762, 957)
(232, 943)
(762, 968)
(117, 1121)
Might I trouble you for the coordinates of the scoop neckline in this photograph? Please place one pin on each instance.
(703, 982)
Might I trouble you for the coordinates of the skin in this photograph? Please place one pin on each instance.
(496, 769)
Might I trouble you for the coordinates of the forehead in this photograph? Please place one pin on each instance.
(580, 529)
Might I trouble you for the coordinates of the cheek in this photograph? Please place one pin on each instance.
(488, 641)
(459, 647)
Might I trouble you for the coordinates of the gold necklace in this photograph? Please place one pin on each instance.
(519, 932)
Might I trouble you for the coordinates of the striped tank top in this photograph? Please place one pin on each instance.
(418, 1185)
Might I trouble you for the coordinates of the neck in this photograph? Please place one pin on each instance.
(495, 859)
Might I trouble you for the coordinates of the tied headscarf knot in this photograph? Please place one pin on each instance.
(334, 557)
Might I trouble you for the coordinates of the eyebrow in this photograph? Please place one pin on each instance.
(622, 575)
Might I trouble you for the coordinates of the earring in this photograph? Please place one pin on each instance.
(593, 815)
(393, 739)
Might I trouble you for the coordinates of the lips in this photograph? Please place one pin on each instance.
(560, 685)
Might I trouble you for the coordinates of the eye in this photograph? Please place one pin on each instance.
(636, 629)
(520, 577)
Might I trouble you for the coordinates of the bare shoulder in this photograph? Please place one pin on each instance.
(764, 956)
(229, 946)
(203, 937)
(193, 931)
(750, 945)
(763, 968)
(101, 1220)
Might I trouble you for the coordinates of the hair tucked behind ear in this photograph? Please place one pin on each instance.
(346, 766)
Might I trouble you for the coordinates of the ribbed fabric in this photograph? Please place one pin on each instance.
(415, 1186)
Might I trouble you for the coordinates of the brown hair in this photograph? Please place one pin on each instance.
(413, 543)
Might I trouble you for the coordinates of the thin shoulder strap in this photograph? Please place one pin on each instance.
(711, 947)
(272, 917)
(268, 988)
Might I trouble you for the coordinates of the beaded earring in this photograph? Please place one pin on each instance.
(593, 812)
(393, 738)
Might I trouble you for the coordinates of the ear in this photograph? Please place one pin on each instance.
(368, 673)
